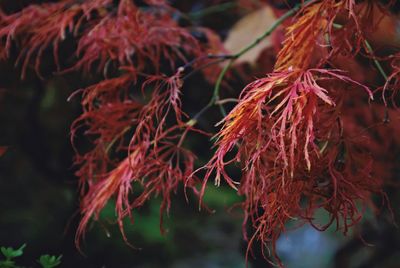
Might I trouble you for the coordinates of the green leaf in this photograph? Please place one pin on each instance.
(11, 253)
(7, 264)
(48, 261)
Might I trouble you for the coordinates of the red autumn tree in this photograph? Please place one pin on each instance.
(318, 131)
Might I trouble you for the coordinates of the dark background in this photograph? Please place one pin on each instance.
(39, 196)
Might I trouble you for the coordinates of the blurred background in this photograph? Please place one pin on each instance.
(39, 196)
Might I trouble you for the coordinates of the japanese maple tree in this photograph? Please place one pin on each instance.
(315, 132)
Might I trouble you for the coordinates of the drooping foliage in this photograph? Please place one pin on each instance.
(310, 135)
(133, 116)
(299, 148)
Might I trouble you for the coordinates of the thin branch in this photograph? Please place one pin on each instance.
(378, 66)
(228, 100)
(215, 98)
(384, 75)
(376, 62)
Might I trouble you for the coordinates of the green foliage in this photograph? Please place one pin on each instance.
(48, 261)
(9, 253)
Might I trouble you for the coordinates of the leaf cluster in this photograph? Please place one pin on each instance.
(10, 254)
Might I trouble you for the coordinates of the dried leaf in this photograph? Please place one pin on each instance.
(246, 30)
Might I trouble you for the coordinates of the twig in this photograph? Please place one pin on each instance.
(384, 75)
(376, 62)
(378, 66)
(215, 98)
(228, 100)
(219, 58)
